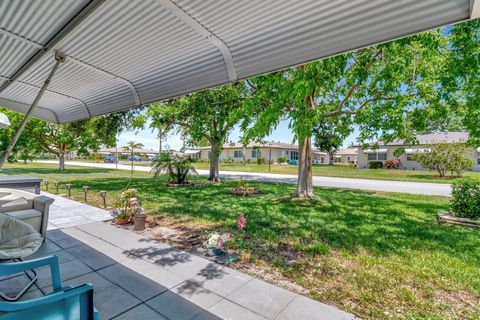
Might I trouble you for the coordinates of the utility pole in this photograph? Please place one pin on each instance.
(269, 156)
(160, 138)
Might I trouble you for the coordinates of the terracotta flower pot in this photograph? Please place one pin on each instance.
(121, 221)
(139, 221)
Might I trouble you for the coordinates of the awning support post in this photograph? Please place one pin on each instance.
(59, 57)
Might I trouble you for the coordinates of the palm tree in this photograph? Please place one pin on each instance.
(130, 147)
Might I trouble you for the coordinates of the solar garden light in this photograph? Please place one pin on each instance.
(46, 185)
(56, 183)
(85, 190)
(103, 195)
(69, 187)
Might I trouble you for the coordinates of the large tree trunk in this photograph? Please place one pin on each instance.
(61, 159)
(214, 160)
(305, 183)
(330, 158)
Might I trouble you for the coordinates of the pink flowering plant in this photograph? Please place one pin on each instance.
(241, 221)
(128, 205)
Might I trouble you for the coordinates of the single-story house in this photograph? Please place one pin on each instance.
(385, 152)
(273, 151)
(125, 152)
(348, 155)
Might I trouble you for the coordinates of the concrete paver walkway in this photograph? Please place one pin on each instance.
(435, 189)
(66, 213)
(140, 278)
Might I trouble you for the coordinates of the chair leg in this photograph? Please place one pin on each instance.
(33, 279)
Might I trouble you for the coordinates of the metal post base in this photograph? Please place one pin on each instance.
(33, 279)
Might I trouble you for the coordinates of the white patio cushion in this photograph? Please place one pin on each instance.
(17, 239)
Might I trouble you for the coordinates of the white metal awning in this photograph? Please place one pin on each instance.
(375, 151)
(192, 151)
(4, 122)
(126, 53)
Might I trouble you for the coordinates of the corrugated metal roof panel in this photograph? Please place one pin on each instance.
(131, 52)
(37, 20)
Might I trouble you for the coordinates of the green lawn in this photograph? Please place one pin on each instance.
(378, 255)
(342, 171)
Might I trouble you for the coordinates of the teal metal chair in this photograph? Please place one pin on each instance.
(64, 303)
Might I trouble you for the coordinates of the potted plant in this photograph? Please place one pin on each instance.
(128, 208)
(178, 169)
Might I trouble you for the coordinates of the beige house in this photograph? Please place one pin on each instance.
(273, 151)
(386, 151)
(349, 155)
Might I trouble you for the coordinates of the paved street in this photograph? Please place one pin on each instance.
(438, 189)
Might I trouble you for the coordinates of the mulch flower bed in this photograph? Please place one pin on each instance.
(180, 185)
(243, 192)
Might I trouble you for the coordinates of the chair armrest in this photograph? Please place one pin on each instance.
(52, 261)
(51, 298)
(42, 203)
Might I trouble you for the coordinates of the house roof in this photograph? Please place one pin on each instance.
(431, 138)
(124, 54)
(348, 151)
(124, 150)
(237, 145)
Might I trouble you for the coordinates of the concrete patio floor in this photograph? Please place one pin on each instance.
(141, 278)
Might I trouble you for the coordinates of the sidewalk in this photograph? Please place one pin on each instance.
(433, 189)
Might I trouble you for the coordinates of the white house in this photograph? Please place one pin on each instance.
(268, 151)
(386, 151)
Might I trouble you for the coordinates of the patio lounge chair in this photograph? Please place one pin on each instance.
(64, 303)
(26, 206)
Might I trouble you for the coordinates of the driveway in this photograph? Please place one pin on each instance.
(434, 189)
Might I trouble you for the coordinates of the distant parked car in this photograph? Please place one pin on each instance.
(293, 162)
(135, 158)
(110, 159)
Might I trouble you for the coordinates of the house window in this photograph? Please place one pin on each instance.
(348, 159)
(377, 156)
(238, 154)
(209, 154)
(478, 159)
(294, 155)
(322, 160)
(256, 154)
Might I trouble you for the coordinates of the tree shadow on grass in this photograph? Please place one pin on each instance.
(343, 219)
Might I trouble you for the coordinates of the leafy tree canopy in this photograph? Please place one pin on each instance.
(208, 115)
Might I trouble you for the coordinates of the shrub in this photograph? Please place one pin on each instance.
(260, 160)
(393, 164)
(352, 165)
(445, 157)
(242, 185)
(375, 165)
(177, 168)
(97, 157)
(282, 159)
(466, 198)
